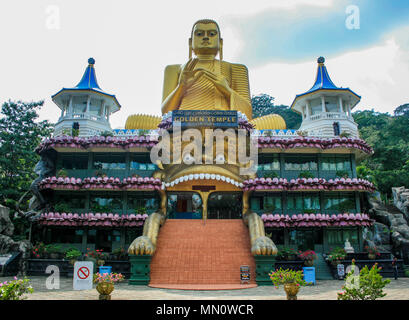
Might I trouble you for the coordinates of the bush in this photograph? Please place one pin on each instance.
(38, 250)
(282, 276)
(370, 286)
(286, 253)
(14, 290)
(337, 254)
(306, 175)
(72, 254)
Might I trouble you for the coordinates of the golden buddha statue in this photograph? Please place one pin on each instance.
(205, 83)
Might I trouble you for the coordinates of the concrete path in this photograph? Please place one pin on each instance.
(323, 290)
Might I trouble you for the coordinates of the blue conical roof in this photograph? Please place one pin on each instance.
(89, 82)
(89, 79)
(323, 82)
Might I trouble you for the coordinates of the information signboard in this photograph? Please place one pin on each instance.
(205, 118)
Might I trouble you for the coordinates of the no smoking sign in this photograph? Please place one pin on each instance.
(83, 271)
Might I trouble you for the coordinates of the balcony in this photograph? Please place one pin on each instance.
(329, 116)
(83, 116)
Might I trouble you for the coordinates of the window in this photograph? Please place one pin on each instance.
(73, 202)
(300, 164)
(109, 162)
(336, 163)
(95, 107)
(66, 236)
(105, 204)
(142, 162)
(338, 237)
(78, 161)
(316, 106)
(150, 202)
(272, 203)
(303, 202)
(339, 202)
(79, 104)
(331, 104)
(270, 162)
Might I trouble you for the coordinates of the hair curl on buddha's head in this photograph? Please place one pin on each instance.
(205, 21)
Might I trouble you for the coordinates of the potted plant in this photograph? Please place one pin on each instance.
(97, 255)
(308, 257)
(291, 280)
(53, 251)
(336, 256)
(62, 173)
(38, 251)
(72, 255)
(286, 254)
(120, 254)
(105, 283)
(373, 252)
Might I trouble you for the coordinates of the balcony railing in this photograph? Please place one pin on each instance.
(330, 116)
(85, 116)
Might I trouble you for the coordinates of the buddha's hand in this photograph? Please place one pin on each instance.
(189, 76)
(219, 81)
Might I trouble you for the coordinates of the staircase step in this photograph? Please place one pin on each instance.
(191, 252)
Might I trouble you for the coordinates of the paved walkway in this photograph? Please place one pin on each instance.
(323, 290)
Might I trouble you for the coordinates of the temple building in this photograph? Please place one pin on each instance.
(106, 192)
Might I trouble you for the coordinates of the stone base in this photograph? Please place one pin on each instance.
(264, 265)
(140, 269)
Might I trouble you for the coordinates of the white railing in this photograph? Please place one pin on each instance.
(329, 116)
(85, 116)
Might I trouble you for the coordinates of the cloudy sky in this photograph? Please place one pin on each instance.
(45, 45)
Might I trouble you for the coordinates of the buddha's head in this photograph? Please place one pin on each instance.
(205, 38)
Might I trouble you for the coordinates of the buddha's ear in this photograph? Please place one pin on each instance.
(190, 48)
(221, 49)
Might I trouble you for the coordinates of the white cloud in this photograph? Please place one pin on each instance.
(379, 74)
(132, 44)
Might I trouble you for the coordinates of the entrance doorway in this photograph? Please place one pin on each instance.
(184, 205)
(225, 205)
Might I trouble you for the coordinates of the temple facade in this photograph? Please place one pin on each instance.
(305, 189)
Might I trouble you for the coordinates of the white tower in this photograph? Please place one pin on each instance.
(326, 108)
(85, 105)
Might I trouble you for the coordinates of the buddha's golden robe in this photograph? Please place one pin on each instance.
(203, 94)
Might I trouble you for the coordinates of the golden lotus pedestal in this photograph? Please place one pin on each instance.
(104, 289)
(291, 289)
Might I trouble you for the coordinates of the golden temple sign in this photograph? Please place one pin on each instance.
(205, 118)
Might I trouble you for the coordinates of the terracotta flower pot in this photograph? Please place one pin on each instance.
(100, 262)
(104, 289)
(372, 256)
(291, 289)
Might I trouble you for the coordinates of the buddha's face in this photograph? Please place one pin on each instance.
(206, 39)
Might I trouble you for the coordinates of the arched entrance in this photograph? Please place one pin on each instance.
(225, 205)
(184, 205)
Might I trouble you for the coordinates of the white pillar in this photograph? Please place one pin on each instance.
(349, 110)
(88, 101)
(108, 111)
(70, 111)
(103, 111)
(323, 104)
(340, 104)
(307, 106)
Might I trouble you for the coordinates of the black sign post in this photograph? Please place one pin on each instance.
(245, 274)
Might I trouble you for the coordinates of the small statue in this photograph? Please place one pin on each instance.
(348, 248)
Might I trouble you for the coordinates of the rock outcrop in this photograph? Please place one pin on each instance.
(7, 244)
(401, 199)
(393, 221)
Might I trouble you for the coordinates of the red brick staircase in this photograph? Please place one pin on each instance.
(192, 255)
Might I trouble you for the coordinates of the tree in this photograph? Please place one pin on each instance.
(263, 104)
(20, 134)
(389, 137)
